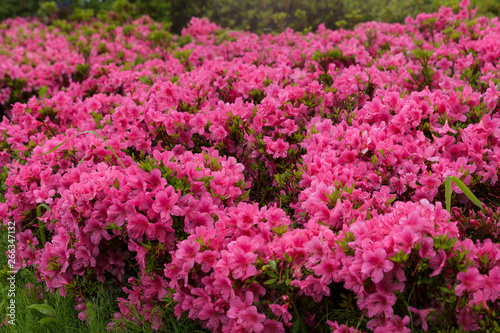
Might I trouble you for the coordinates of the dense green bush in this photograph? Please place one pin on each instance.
(13, 8)
(255, 15)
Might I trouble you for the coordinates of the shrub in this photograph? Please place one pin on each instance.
(281, 182)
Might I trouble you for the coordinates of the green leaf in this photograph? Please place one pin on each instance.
(299, 326)
(43, 308)
(462, 187)
(110, 148)
(446, 290)
(484, 259)
(447, 191)
(272, 264)
(42, 92)
(146, 80)
(59, 145)
(46, 320)
(39, 209)
(270, 281)
(41, 226)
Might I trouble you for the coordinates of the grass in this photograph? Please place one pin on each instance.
(65, 318)
(50, 312)
(57, 314)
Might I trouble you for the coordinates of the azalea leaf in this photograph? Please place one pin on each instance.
(42, 92)
(270, 281)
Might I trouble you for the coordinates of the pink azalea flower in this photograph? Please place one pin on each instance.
(423, 316)
(470, 281)
(492, 284)
(437, 262)
(375, 263)
(83, 258)
(327, 269)
(281, 311)
(273, 326)
(245, 313)
(252, 319)
(280, 148)
(188, 250)
(426, 248)
(96, 231)
(137, 226)
(212, 315)
(207, 259)
(405, 240)
(165, 201)
(44, 194)
(380, 303)
(241, 264)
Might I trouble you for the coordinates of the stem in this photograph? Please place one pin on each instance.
(258, 185)
(41, 227)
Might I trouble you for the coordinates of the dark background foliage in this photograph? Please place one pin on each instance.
(255, 15)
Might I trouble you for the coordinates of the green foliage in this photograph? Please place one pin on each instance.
(335, 56)
(85, 132)
(275, 15)
(3, 177)
(179, 183)
(344, 244)
(422, 78)
(428, 284)
(463, 188)
(13, 8)
(39, 310)
(303, 15)
(255, 15)
(183, 57)
(82, 72)
(18, 92)
(288, 188)
(82, 15)
(47, 9)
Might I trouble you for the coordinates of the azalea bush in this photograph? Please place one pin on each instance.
(272, 183)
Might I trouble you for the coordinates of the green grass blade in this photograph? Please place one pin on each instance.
(467, 192)
(112, 150)
(447, 190)
(41, 225)
(462, 187)
(59, 145)
(44, 206)
(93, 132)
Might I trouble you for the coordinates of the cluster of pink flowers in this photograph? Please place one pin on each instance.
(34, 57)
(257, 183)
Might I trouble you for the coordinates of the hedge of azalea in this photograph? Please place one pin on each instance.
(272, 183)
